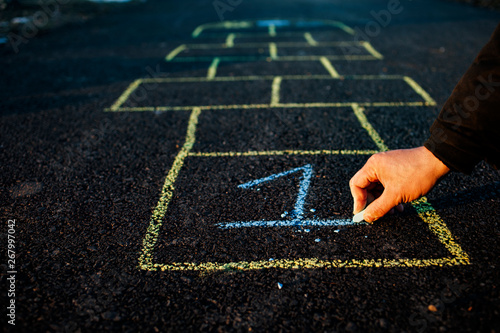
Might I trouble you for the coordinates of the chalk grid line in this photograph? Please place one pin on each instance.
(424, 209)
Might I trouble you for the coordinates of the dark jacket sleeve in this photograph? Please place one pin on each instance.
(467, 129)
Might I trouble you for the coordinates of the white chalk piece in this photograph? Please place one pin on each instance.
(359, 216)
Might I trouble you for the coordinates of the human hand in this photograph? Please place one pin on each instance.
(394, 177)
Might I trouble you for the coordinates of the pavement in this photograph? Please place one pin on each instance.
(172, 166)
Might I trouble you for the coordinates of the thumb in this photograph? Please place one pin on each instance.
(380, 206)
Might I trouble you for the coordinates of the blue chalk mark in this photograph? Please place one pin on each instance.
(305, 181)
(290, 223)
(276, 23)
(297, 215)
(309, 24)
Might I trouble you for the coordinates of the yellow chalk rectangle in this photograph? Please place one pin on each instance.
(345, 89)
(425, 211)
(176, 95)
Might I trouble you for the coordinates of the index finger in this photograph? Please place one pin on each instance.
(359, 184)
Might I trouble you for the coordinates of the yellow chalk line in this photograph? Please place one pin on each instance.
(212, 70)
(275, 93)
(130, 89)
(310, 40)
(344, 27)
(439, 228)
(266, 106)
(281, 58)
(368, 47)
(359, 112)
(225, 25)
(132, 109)
(282, 152)
(328, 66)
(271, 77)
(419, 90)
(272, 30)
(149, 241)
(230, 40)
(175, 52)
(273, 51)
(308, 263)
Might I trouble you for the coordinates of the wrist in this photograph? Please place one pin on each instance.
(435, 163)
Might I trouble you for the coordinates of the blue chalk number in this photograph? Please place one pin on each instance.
(296, 218)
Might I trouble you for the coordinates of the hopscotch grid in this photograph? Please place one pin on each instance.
(425, 211)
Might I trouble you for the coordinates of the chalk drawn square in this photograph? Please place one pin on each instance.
(282, 129)
(352, 89)
(273, 68)
(208, 194)
(185, 94)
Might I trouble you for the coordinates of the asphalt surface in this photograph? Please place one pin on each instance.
(120, 203)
